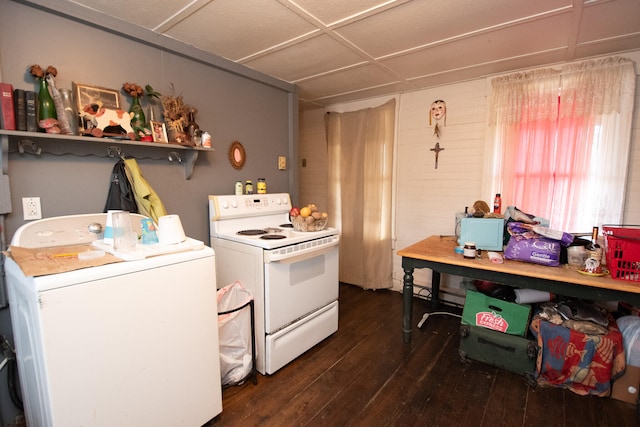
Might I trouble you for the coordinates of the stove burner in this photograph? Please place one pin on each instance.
(286, 225)
(273, 237)
(251, 232)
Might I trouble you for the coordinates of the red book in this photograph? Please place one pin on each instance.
(7, 115)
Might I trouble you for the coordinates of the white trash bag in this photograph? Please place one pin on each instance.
(234, 333)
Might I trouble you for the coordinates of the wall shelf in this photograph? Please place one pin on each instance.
(32, 143)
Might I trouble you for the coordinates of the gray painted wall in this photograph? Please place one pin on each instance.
(233, 103)
(230, 106)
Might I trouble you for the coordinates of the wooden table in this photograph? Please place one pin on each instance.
(437, 253)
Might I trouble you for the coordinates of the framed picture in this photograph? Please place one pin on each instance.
(159, 132)
(95, 95)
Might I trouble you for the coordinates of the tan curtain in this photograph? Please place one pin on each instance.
(360, 154)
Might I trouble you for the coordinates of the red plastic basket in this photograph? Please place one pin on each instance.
(622, 244)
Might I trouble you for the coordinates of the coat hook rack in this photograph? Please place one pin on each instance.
(113, 151)
(32, 146)
(173, 156)
(38, 144)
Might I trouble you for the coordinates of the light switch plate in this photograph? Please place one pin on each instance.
(282, 163)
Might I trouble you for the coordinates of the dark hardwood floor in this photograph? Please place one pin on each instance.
(365, 376)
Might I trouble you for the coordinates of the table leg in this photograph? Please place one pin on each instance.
(435, 289)
(407, 304)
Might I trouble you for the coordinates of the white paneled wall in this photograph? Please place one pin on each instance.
(428, 198)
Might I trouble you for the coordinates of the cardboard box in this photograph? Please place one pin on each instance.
(491, 313)
(626, 387)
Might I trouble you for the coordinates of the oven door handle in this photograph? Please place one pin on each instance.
(300, 255)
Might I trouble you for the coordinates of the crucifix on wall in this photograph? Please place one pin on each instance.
(437, 149)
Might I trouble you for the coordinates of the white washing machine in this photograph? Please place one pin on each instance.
(131, 343)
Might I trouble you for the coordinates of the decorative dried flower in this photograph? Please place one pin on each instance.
(37, 71)
(175, 111)
(132, 89)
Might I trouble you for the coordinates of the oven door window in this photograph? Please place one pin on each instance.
(296, 287)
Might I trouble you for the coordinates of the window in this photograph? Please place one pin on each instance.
(561, 142)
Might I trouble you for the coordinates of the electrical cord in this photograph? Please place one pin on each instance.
(12, 372)
(12, 383)
(426, 316)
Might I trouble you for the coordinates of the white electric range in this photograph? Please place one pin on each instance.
(292, 275)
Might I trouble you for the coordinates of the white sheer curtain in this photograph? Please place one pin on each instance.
(360, 155)
(561, 141)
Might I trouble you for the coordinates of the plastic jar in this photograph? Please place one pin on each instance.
(262, 186)
(576, 256)
(469, 250)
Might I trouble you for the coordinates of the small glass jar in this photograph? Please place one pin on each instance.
(262, 186)
(469, 250)
(238, 189)
(248, 187)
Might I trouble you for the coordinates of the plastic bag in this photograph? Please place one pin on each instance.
(526, 245)
(630, 328)
(234, 333)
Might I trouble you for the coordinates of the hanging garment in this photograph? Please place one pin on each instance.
(120, 196)
(147, 199)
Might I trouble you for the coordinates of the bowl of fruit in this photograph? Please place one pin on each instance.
(308, 218)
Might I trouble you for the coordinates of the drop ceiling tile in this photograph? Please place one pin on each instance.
(488, 69)
(422, 22)
(145, 13)
(509, 42)
(331, 11)
(597, 18)
(235, 29)
(345, 81)
(609, 47)
(308, 58)
(390, 89)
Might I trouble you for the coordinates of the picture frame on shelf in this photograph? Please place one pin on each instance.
(159, 130)
(95, 95)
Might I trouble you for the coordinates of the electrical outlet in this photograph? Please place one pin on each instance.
(31, 208)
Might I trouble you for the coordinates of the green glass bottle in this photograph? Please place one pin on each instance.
(46, 106)
(138, 121)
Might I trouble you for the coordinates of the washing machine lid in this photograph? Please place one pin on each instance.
(75, 230)
(62, 231)
(102, 272)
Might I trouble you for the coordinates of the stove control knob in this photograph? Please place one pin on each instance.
(225, 205)
(234, 204)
